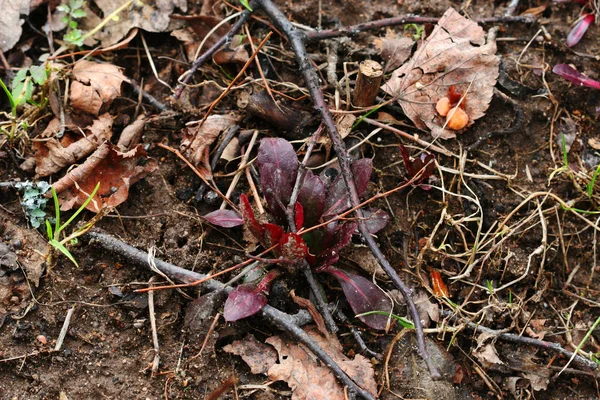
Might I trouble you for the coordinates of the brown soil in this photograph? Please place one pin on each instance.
(108, 349)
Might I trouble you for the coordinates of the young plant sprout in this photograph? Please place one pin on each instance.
(319, 236)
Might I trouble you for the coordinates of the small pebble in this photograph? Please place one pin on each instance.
(42, 339)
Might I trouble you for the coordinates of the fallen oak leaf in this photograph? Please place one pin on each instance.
(116, 171)
(95, 86)
(259, 356)
(456, 54)
(54, 154)
(310, 380)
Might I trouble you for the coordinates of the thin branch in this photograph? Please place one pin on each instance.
(542, 344)
(208, 53)
(281, 320)
(312, 81)
(406, 19)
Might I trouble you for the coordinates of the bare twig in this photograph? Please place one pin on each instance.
(278, 318)
(312, 81)
(64, 329)
(511, 337)
(208, 53)
(156, 360)
(405, 19)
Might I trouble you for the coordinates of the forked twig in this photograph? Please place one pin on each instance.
(278, 318)
(312, 81)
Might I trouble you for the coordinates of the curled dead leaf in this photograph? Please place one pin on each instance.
(95, 86)
(457, 54)
(116, 172)
(198, 138)
(54, 154)
(259, 356)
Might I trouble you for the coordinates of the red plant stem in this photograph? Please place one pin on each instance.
(208, 53)
(405, 19)
(281, 320)
(304, 266)
(312, 81)
(265, 284)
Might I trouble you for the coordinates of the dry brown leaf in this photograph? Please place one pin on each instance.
(594, 143)
(486, 352)
(309, 379)
(428, 311)
(396, 51)
(116, 172)
(132, 134)
(151, 16)
(198, 138)
(11, 21)
(259, 356)
(455, 54)
(54, 154)
(95, 86)
(539, 379)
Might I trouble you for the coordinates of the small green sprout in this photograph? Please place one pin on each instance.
(246, 4)
(401, 320)
(419, 29)
(54, 235)
(73, 11)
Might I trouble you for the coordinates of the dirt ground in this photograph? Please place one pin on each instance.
(508, 170)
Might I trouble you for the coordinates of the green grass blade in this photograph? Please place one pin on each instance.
(585, 338)
(564, 151)
(49, 230)
(590, 186)
(401, 320)
(59, 246)
(79, 210)
(358, 121)
(57, 211)
(11, 99)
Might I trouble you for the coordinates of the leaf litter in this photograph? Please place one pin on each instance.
(95, 86)
(297, 367)
(455, 54)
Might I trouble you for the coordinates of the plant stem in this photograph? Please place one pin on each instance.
(312, 81)
(281, 320)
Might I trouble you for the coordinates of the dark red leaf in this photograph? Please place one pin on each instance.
(265, 284)
(224, 218)
(572, 75)
(243, 301)
(337, 236)
(338, 200)
(312, 197)
(579, 30)
(298, 216)
(281, 153)
(292, 247)
(278, 167)
(272, 235)
(363, 296)
(249, 219)
(413, 167)
(375, 220)
(277, 188)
